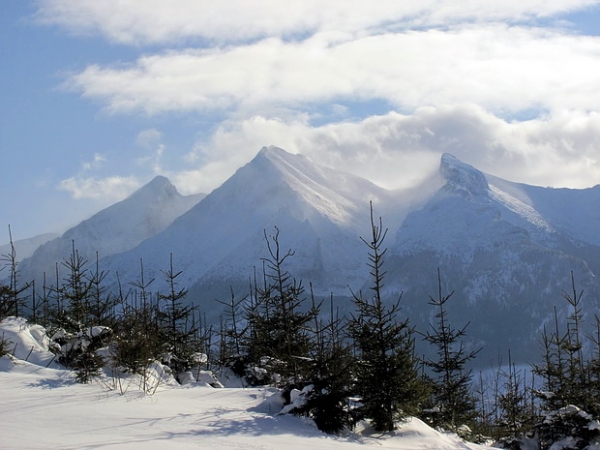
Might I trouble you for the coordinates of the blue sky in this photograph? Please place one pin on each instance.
(99, 97)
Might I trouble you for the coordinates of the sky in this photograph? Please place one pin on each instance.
(97, 98)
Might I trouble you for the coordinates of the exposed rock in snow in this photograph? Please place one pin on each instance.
(462, 177)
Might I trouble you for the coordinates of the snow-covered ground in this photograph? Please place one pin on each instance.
(44, 408)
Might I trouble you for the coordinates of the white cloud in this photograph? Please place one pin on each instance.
(148, 138)
(95, 163)
(398, 150)
(110, 189)
(450, 67)
(154, 159)
(504, 69)
(394, 150)
(159, 21)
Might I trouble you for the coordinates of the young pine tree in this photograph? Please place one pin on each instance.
(563, 370)
(278, 319)
(567, 398)
(329, 373)
(12, 301)
(79, 336)
(452, 402)
(593, 370)
(514, 407)
(75, 292)
(175, 323)
(232, 334)
(387, 379)
(138, 340)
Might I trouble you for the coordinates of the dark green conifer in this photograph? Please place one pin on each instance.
(387, 379)
(452, 402)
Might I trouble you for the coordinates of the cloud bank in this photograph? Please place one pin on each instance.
(159, 22)
(398, 151)
(113, 188)
(501, 68)
(509, 87)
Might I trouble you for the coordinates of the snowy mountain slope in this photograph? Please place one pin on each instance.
(24, 248)
(506, 251)
(115, 229)
(319, 211)
(575, 212)
(468, 206)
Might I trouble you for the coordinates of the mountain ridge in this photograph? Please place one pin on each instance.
(116, 228)
(504, 248)
(499, 248)
(274, 189)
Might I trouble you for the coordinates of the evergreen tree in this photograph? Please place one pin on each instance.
(515, 411)
(387, 380)
(75, 292)
(232, 334)
(567, 397)
(278, 319)
(330, 375)
(138, 341)
(593, 371)
(73, 322)
(576, 384)
(101, 304)
(81, 354)
(176, 325)
(11, 300)
(452, 402)
(564, 369)
(7, 301)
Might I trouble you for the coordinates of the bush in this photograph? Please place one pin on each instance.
(328, 408)
(79, 351)
(4, 346)
(568, 428)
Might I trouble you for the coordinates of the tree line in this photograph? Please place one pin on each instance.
(337, 370)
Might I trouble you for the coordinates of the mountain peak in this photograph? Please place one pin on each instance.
(158, 187)
(461, 177)
(159, 183)
(283, 165)
(159, 180)
(277, 154)
(272, 150)
(117, 228)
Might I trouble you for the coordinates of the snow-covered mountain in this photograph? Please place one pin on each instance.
(505, 249)
(320, 213)
(24, 248)
(115, 229)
